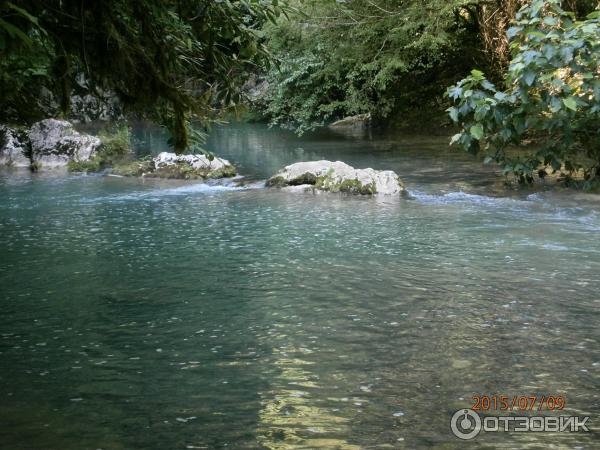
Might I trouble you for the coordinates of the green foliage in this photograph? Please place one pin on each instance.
(116, 141)
(134, 168)
(115, 150)
(552, 95)
(172, 61)
(24, 64)
(380, 57)
(11, 25)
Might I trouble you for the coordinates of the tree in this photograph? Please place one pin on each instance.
(380, 57)
(171, 60)
(552, 96)
(494, 18)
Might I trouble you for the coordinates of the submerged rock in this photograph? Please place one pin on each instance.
(171, 165)
(359, 121)
(14, 148)
(54, 143)
(337, 177)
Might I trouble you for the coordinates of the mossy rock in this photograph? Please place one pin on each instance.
(338, 177)
(136, 168)
(307, 178)
(329, 184)
(184, 171)
(276, 182)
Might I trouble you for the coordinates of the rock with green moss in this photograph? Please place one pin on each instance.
(337, 177)
(165, 165)
(183, 167)
(190, 167)
(134, 168)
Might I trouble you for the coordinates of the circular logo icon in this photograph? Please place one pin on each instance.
(465, 424)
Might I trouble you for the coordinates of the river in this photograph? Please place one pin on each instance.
(173, 315)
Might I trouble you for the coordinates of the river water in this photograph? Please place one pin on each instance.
(172, 315)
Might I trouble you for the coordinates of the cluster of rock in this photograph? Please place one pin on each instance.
(47, 144)
(55, 143)
(337, 177)
(88, 101)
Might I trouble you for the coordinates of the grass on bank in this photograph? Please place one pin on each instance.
(116, 150)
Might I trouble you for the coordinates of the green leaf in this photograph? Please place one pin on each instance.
(570, 103)
(22, 12)
(13, 31)
(453, 114)
(529, 77)
(477, 74)
(555, 104)
(477, 131)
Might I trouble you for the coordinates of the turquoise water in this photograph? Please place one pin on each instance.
(153, 314)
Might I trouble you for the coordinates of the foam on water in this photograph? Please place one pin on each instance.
(191, 189)
(461, 197)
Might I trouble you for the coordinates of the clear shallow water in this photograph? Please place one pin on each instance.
(145, 314)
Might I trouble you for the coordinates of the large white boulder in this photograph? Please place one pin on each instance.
(338, 177)
(55, 142)
(13, 148)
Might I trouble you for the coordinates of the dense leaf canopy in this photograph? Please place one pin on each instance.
(551, 95)
(363, 56)
(172, 60)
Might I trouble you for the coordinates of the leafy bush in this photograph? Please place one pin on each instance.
(116, 141)
(115, 150)
(169, 61)
(552, 96)
(339, 59)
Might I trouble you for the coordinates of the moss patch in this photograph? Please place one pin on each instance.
(276, 182)
(223, 172)
(185, 171)
(356, 187)
(327, 183)
(307, 178)
(135, 168)
(94, 164)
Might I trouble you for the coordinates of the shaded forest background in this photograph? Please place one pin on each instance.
(527, 70)
(390, 59)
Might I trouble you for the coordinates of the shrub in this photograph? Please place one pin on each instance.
(552, 96)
